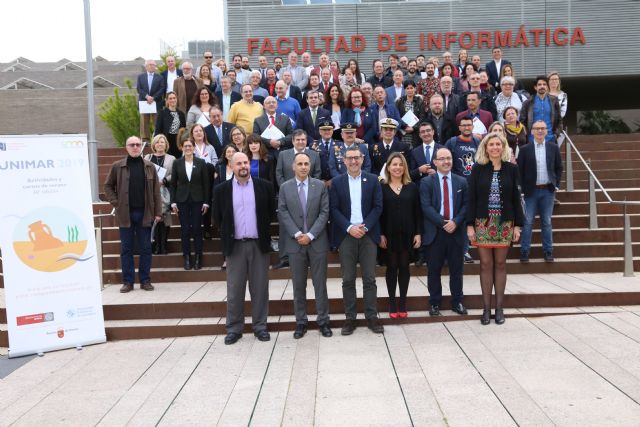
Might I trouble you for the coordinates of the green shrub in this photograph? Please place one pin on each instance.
(601, 122)
(120, 113)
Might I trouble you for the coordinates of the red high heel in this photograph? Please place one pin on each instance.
(394, 315)
(403, 314)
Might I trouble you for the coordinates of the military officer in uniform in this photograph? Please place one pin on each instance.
(380, 151)
(337, 165)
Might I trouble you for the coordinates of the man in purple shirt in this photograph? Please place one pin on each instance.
(243, 208)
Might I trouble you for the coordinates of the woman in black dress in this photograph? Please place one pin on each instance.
(169, 122)
(401, 223)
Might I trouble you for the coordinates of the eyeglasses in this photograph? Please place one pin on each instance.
(540, 129)
(352, 158)
(134, 145)
(208, 57)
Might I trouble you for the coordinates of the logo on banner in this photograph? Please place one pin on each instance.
(72, 144)
(50, 239)
(3, 146)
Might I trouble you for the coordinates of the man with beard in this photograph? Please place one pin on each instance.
(243, 209)
(429, 85)
(278, 63)
(443, 124)
(542, 106)
(242, 76)
(486, 99)
(412, 72)
(244, 112)
(186, 86)
(451, 101)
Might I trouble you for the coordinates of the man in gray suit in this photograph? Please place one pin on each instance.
(298, 73)
(279, 120)
(303, 212)
(284, 172)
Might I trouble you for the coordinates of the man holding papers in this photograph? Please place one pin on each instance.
(274, 128)
(151, 88)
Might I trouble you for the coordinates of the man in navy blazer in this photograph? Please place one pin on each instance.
(419, 165)
(217, 130)
(494, 67)
(305, 119)
(355, 200)
(444, 199)
(151, 88)
(540, 168)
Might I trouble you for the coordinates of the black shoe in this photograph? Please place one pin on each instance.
(348, 327)
(325, 330)
(468, 259)
(263, 336)
(147, 286)
(127, 287)
(300, 331)
(548, 257)
(284, 262)
(459, 308)
(434, 310)
(164, 239)
(524, 258)
(197, 263)
(187, 262)
(375, 325)
(499, 316)
(207, 235)
(486, 316)
(232, 338)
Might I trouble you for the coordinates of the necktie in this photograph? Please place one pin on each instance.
(149, 81)
(326, 144)
(273, 120)
(445, 197)
(303, 204)
(219, 132)
(357, 116)
(427, 153)
(387, 146)
(313, 116)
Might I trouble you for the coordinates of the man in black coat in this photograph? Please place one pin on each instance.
(217, 130)
(246, 245)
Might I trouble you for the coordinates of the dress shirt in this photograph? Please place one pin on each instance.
(398, 92)
(226, 105)
(305, 188)
(542, 176)
(449, 183)
(188, 166)
(430, 154)
(171, 76)
(149, 81)
(244, 210)
(355, 194)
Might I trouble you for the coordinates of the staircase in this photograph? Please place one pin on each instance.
(577, 249)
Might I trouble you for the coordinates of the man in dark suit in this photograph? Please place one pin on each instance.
(324, 146)
(303, 212)
(443, 123)
(356, 205)
(443, 197)
(540, 168)
(218, 130)
(151, 88)
(171, 73)
(493, 68)
(380, 151)
(281, 121)
(246, 245)
(421, 158)
(309, 118)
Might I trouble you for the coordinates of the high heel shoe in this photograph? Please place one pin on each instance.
(486, 316)
(394, 314)
(403, 314)
(499, 316)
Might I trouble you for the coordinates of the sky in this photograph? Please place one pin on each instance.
(49, 30)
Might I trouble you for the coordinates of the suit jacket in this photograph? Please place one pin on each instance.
(485, 117)
(284, 169)
(283, 123)
(369, 120)
(212, 136)
(340, 204)
(165, 75)
(223, 213)
(416, 159)
(299, 76)
(324, 153)
(179, 88)
(528, 167)
(336, 159)
(157, 90)
(448, 128)
(486, 104)
(431, 201)
(291, 220)
(296, 93)
(392, 112)
(391, 94)
(198, 189)
(480, 187)
(305, 121)
(235, 97)
(494, 73)
(379, 154)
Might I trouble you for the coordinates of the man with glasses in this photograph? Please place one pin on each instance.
(541, 168)
(542, 106)
(444, 199)
(463, 149)
(133, 189)
(186, 87)
(216, 72)
(355, 200)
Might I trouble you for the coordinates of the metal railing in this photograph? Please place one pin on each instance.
(593, 207)
(98, 231)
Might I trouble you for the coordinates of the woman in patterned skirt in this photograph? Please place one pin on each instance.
(494, 217)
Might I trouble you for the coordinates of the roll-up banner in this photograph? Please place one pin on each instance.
(49, 258)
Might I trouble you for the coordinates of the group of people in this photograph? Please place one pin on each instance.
(437, 161)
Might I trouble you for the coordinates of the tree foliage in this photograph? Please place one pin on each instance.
(163, 57)
(120, 114)
(601, 122)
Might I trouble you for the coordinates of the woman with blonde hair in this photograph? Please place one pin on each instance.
(160, 157)
(555, 90)
(401, 229)
(494, 217)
